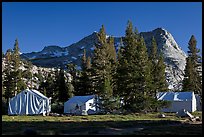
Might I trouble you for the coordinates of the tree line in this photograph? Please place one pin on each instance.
(132, 76)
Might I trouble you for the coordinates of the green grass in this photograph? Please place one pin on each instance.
(197, 113)
(100, 124)
(108, 117)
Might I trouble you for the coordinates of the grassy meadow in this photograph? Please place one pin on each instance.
(135, 124)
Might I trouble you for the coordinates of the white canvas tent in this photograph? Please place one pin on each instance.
(81, 105)
(29, 102)
(179, 101)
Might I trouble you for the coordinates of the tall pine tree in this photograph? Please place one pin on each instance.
(157, 70)
(85, 85)
(71, 69)
(193, 78)
(16, 55)
(17, 73)
(13, 82)
(103, 67)
(99, 61)
(133, 71)
(63, 89)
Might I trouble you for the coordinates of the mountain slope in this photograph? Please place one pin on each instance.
(175, 57)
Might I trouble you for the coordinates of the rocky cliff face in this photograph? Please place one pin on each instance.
(35, 70)
(175, 57)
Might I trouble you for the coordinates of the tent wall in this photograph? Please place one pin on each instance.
(27, 103)
(88, 106)
(179, 101)
(179, 105)
(71, 108)
(17, 105)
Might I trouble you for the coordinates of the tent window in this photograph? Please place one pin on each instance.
(90, 104)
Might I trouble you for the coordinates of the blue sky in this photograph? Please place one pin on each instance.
(40, 24)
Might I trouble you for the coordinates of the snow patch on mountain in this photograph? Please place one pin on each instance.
(47, 52)
(82, 47)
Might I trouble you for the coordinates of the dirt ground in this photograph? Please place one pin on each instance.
(185, 127)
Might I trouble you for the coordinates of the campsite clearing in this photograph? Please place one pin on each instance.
(136, 124)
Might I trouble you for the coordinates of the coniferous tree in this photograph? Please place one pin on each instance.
(14, 74)
(63, 93)
(71, 69)
(82, 90)
(119, 73)
(158, 78)
(112, 57)
(107, 91)
(133, 71)
(118, 69)
(85, 84)
(28, 74)
(89, 84)
(48, 87)
(51, 86)
(8, 82)
(99, 61)
(144, 66)
(16, 55)
(188, 80)
(70, 90)
(103, 67)
(9, 85)
(20, 84)
(162, 83)
(193, 78)
(123, 66)
(157, 70)
(153, 52)
(112, 52)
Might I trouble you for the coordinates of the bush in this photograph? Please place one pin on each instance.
(57, 108)
(145, 104)
(156, 105)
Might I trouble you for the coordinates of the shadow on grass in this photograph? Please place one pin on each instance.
(137, 127)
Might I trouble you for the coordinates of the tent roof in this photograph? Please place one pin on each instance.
(81, 99)
(35, 92)
(175, 96)
(38, 93)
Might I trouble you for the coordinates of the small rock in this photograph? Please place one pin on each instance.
(161, 116)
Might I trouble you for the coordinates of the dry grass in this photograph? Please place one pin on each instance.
(136, 124)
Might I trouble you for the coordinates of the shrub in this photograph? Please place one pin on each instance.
(57, 108)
